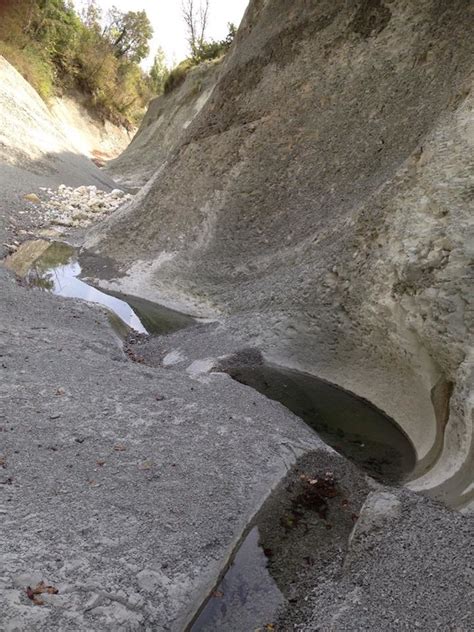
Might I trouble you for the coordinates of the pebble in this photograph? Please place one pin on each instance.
(79, 207)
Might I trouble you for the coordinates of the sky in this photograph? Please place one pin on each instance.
(167, 21)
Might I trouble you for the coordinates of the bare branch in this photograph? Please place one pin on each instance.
(196, 18)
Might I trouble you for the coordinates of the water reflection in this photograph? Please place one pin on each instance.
(56, 267)
(247, 597)
(58, 270)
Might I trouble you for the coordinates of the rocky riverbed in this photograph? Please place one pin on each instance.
(78, 207)
(321, 226)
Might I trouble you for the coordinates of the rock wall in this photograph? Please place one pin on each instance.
(31, 132)
(319, 201)
(168, 116)
(99, 140)
(38, 149)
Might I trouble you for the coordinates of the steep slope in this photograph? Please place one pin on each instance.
(40, 148)
(320, 200)
(30, 132)
(168, 116)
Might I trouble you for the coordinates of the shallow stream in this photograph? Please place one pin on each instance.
(308, 521)
(55, 267)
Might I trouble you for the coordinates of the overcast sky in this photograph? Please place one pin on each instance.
(165, 16)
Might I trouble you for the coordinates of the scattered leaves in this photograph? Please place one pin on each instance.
(315, 493)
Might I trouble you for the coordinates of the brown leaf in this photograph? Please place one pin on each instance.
(218, 594)
(52, 590)
(119, 448)
(100, 463)
(40, 589)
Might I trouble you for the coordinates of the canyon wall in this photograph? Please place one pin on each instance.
(167, 118)
(319, 201)
(33, 134)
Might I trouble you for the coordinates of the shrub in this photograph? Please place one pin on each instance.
(30, 64)
(55, 50)
(177, 76)
(207, 51)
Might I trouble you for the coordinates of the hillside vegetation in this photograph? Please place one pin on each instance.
(203, 51)
(58, 51)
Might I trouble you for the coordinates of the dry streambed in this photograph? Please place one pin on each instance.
(77, 207)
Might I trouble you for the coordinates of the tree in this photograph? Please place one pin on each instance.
(92, 16)
(158, 72)
(196, 16)
(129, 34)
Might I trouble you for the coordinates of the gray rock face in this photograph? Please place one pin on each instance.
(124, 487)
(160, 132)
(320, 199)
(35, 152)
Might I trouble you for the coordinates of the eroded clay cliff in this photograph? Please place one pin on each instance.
(320, 200)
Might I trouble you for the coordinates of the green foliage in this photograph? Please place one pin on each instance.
(33, 68)
(159, 73)
(178, 75)
(211, 49)
(56, 50)
(205, 51)
(129, 34)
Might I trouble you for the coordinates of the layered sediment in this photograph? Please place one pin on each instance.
(319, 201)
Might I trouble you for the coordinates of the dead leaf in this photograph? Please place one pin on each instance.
(100, 463)
(40, 589)
(218, 594)
(32, 197)
(119, 448)
(146, 465)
